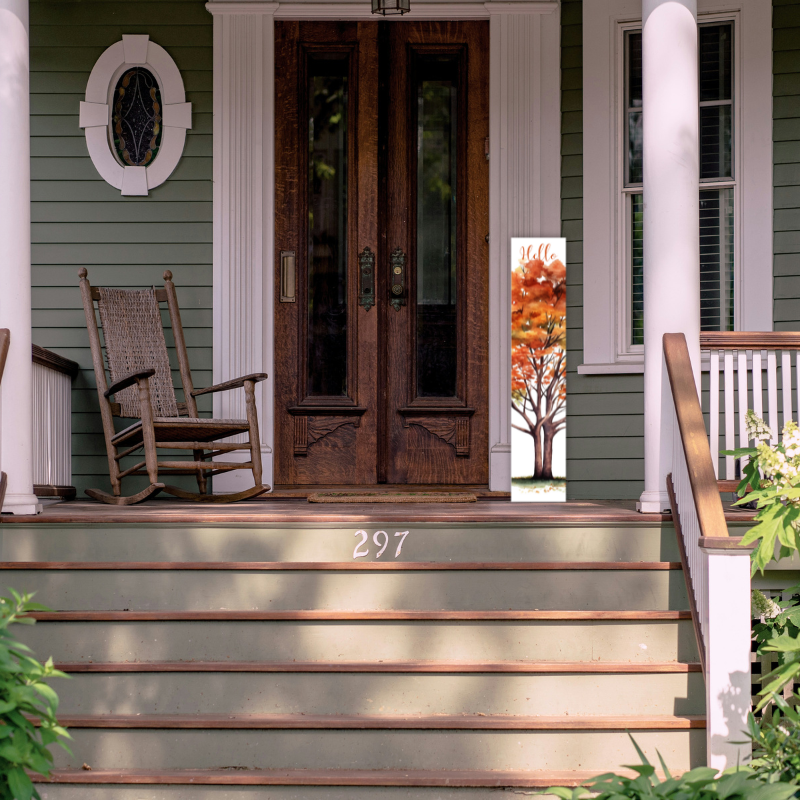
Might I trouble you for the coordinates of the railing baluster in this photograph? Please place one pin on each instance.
(786, 385)
(730, 466)
(772, 394)
(758, 386)
(713, 397)
(743, 399)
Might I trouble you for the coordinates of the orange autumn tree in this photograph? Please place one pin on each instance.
(538, 351)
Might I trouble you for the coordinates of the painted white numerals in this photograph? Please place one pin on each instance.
(402, 535)
(357, 553)
(381, 539)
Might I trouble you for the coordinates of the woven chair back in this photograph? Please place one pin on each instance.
(134, 341)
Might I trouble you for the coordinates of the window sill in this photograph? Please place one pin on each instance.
(631, 368)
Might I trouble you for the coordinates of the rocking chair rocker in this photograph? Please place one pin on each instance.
(141, 382)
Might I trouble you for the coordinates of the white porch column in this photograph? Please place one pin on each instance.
(244, 181)
(524, 183)
(728, 636)
(16, 421)
(671, 219)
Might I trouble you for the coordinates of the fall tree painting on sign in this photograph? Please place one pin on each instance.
(538, 369)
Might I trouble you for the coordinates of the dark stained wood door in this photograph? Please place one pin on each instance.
(381, 312)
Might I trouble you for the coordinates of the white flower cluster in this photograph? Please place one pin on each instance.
(763, 607)
(779, 464)
(756, 427)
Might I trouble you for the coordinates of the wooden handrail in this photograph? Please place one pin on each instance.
(749, 340)
(694, 438)
(5, 341)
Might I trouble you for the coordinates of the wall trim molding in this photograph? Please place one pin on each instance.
(524, 185)
(361, 11)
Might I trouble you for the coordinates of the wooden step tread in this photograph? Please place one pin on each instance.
(356, 616)
(533, 667)
(238, 776)
(500, 722)
(347, 566)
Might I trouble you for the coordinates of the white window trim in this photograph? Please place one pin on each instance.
(95, 114)
(605, 266)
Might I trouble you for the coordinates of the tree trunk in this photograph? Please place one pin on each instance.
(538, 451)
(548, 435)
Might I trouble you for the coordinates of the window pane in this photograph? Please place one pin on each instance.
(437, 118)
(633, 105)
(716, 72)
(633, 41)
(327, 226)
(715, 142)
(634, 147)
(716, 260)
(637, 271)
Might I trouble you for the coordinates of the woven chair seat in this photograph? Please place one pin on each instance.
(183, 429)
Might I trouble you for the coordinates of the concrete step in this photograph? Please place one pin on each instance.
(583, 636)
(250, 542)
(566, 693)
(655, 587)
(300, 784)
(378, 749)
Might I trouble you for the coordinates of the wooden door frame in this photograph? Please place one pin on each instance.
(524, 184)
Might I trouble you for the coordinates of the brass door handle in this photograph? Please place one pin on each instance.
(397, 284)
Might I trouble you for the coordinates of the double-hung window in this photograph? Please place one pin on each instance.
(717, 178)
(735, 187)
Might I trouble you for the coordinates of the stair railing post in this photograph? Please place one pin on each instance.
(728, 638)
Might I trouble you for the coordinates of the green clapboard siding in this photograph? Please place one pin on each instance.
(786, 160)
(79, 220)
(605, 424)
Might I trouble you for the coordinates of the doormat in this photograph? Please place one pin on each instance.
(392, 497)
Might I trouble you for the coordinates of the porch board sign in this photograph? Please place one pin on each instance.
(538, 369)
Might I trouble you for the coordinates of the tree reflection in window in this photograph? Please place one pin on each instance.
(327, 225)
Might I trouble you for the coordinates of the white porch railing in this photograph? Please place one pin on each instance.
(717, 569)
(52, 423)
(748, 370)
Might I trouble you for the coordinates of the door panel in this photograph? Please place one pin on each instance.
(437, 212)
(382, 200)
(326, 195)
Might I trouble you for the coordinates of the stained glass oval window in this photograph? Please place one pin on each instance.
(136, 121)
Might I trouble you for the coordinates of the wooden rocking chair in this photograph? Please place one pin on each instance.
(141, 382)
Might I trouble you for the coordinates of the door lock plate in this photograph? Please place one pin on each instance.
(397, 284)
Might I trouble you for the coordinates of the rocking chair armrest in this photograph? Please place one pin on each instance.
(236, 383)
(128, 380)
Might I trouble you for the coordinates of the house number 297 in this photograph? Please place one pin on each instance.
(381, 539)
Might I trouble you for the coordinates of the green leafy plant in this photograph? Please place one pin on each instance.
(776, 743)
(701, 783)
(771, 480)
(24, 696)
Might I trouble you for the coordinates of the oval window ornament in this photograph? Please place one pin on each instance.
(135, 115)
(136, 123)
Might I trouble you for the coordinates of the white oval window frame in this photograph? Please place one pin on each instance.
(95, 114)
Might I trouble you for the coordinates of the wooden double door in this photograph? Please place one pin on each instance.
(382, 225)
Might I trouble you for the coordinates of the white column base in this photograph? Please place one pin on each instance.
(500, 468)
(21, 504)
(653, 502)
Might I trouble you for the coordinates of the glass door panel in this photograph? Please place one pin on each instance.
(326, 361)
(437, 155)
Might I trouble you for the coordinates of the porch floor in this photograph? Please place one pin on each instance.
(269, 511)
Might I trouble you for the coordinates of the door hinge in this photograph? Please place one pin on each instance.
(486, 147)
